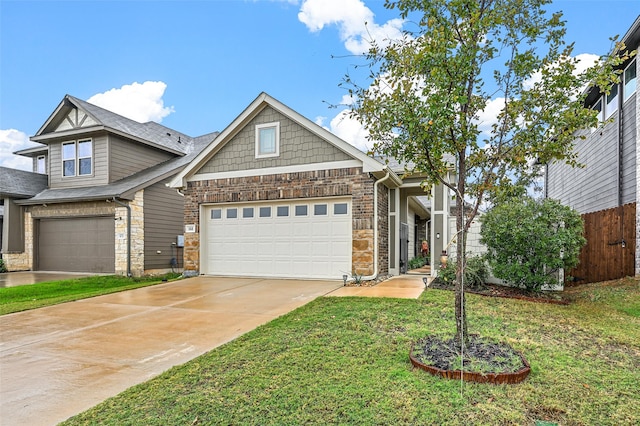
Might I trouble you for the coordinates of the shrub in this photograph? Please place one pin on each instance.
(475, 272)
(528, 241)
(417, 262)
(3, 268)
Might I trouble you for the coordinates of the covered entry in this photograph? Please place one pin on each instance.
(79, 244)
(304, 238)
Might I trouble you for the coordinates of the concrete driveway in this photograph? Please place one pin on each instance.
(61, 360)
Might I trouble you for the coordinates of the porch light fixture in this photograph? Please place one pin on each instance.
(437, 235)
(344, 279)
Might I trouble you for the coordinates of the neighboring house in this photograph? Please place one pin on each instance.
(15, 185)
(606, 191)
(98, 200)
(276, 195)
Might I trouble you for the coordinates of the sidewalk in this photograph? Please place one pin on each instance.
(402, 287)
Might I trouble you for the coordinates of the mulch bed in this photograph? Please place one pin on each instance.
(495, 363)
(494, 290)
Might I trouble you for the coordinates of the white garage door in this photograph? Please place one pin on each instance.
(295, 239)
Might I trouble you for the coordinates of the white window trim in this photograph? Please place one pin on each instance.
(611, 106)
(601, 100)
(76, 158)
(44, 160)
(264, 126)
(626, 95)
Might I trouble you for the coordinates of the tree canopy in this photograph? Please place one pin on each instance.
(478, 90)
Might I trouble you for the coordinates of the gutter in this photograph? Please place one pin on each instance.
(128, 207)
(375, 226)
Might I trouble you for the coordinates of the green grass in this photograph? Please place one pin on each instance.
(25, 297)
(345, 361)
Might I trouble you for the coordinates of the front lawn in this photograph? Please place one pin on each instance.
(345, 361)
(24, 297)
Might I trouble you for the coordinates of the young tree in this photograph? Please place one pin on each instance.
(467, 60)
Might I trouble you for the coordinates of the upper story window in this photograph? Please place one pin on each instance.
(41, 164)
(77, 158)
(629, 79)
(612, 101)
(267, 140)
(598, 107)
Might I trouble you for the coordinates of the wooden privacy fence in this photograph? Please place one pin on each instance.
(611, 245)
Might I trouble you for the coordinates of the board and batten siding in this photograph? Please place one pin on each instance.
(297, 146)
(595, 186)
(100, 175)
(127, 158)
(163, 222)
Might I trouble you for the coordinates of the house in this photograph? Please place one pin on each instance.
(97, 199)
(607, 190)
(276, 195)
(15, 185)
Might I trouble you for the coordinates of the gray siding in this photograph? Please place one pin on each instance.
(127, 158)
(100, 174)
(629, 150)
(595, 187)
(12, 236)
(163, 222)
(297, 146)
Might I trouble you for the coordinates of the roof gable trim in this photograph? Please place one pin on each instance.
(368, 163)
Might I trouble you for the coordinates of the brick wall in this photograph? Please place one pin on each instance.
(288, 186)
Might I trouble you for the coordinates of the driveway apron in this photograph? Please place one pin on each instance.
(61, 360)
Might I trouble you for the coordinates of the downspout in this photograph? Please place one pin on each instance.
(620, 143)
(128, 207)
(375, 226)
(623, 243)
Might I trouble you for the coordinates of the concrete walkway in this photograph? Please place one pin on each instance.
(401, 286)
(61, 360)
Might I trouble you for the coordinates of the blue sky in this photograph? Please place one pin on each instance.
(195, 65)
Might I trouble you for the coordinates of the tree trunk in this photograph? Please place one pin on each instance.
(462, 335)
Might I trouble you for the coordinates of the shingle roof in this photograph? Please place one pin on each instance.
(16, 183)
(124, 188)
(152, 132)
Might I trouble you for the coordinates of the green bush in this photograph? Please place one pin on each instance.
(475, 272)
(417, 262)
(528, 241)
(3, 268)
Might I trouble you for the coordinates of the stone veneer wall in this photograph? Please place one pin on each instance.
(22, 261)
(137, 236)
(287, 186)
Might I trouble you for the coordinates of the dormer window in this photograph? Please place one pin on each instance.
(267, 140)
(77, 158)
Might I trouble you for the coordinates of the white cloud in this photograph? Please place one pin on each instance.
(489, 115)
(350, 130)
(585, 61)
(354, 20)
(12, 140)
(139, 102)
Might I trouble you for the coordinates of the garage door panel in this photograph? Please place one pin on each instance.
(84, 244)
(311, 246)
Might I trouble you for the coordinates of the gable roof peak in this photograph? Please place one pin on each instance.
(149, 133)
